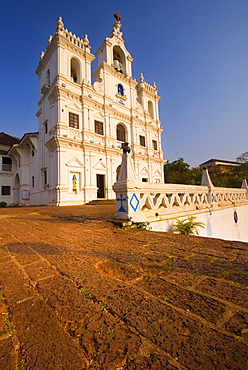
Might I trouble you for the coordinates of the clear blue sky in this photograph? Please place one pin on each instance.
(195, 50)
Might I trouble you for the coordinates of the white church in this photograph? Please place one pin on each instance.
(76, 154)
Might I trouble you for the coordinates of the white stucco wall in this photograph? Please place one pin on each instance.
(219, 223)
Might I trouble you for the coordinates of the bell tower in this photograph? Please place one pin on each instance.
(113, 50)
(64, 72)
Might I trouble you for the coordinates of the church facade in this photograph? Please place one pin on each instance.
(82, 125)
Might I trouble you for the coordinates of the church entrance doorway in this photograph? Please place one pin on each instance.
(100, 183)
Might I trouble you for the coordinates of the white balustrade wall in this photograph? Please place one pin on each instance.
(160, 204)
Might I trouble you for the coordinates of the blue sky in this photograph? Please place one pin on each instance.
(195, 50)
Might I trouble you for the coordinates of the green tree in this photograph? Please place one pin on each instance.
(243, 170)
(231, 179)
(179, 172)
(195, 176)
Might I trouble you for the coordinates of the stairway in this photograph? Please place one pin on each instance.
(101, 201)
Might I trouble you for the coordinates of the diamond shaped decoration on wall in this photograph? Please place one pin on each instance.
(134, 202)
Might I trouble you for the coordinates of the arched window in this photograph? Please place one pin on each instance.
(120, 132)
(75, 70)
(120, 90)
(150, 108)
(119, 59)
(48, 78)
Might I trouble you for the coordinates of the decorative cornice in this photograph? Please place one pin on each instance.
(110, 69)
(54, 95)
(73, 96)
(122, 97)
(122, 116)
(51, 47)
(64, 37)
(52, 143)
(39, 112)
(77, 50)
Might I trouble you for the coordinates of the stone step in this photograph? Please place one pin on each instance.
(100, 201)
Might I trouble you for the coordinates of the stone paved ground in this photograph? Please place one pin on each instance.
(77, 292)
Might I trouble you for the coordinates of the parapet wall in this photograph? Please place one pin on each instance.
(224, 211)
(228, 223)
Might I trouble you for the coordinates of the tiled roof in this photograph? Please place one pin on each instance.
(8, 140)
(220, 161)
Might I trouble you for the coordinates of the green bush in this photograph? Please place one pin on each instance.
(140, 225)
(3, 204)
(188, 226)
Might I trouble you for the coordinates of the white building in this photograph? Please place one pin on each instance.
(6, 168)
(76, 154)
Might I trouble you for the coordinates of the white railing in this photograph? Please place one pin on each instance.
(139, 201)
(142, 201)
(228, 195)
(168, 196)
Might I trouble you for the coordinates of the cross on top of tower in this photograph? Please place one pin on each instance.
(117, 16)
(117, 25)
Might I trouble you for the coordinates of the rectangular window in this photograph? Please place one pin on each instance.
(6, 164)
(5, 190)
(98, 128)
(142, 140)
(120, 133)
(45, 127)
(32, 181)
(45, 177)
(73, 120)
(32, 151)
(154, 144)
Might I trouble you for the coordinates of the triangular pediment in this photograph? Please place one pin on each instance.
(99, 114)
(75, 162)
(144, 171)
(100, 165)
(73, 106)
(157, 173)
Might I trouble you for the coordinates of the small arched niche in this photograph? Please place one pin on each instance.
(119, 60)
(121, 133)
(75, 70)
(120, 89)
(150, 108)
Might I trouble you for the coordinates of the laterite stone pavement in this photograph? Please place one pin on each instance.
(78, 292)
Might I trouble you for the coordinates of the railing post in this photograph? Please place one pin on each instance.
(206, 181)
(126, 188)
(245, 186)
